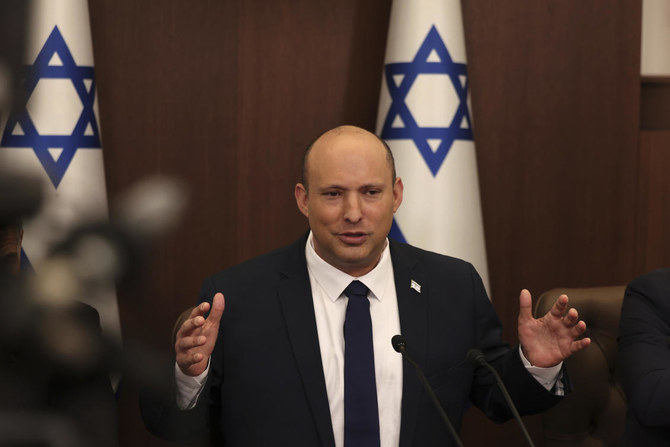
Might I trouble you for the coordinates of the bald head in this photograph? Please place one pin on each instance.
(353, 194)
(328, 138)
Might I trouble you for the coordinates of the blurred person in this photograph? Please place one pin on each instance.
(644, 359)
(38, 385)
(278, 365)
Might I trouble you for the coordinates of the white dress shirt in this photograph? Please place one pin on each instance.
(330, 304)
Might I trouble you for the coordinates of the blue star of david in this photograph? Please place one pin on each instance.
(85, 134)
(411, 130)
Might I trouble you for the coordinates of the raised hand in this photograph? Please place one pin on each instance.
(196, 338)
(549, 340)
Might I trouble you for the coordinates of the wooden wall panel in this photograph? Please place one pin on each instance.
(655, 103)
(224, 95)
(166, 75)
(303, 67)
(555, 94)
(654, 202)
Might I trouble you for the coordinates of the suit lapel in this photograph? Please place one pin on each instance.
(413, 310)
(295, 297)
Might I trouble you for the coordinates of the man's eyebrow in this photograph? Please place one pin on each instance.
(366, 186)
(373, 185)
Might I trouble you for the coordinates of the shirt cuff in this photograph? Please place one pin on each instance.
(188, 388)
(547, 377)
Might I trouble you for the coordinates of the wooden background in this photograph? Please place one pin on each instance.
(226, 94)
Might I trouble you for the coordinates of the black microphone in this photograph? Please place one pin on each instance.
(400, 346)
(476, 357)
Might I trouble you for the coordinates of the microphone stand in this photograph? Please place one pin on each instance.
(476, 357)
(399, 345)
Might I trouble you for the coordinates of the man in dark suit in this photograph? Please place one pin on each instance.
(644, 359)
(272, 369)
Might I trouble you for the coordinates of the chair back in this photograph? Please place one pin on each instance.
(594, 413)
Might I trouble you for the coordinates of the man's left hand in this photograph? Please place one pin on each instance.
(549, 340)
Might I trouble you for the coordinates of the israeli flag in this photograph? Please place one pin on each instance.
(424, 116)
(57, 136)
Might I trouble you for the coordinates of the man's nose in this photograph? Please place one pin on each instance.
(352, 208)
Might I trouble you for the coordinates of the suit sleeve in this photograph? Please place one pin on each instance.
(644, 351)
(528, 394)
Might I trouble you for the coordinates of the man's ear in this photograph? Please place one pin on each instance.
(398, 188)
(301, 199)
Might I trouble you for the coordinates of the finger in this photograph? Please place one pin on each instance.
(185, 361)
(579, 328)
(186, 343)
(525, 305)
(559, 307)
(218, 304)
(190, 325)
(200, 309)
(195, 319)
(580, 344)
(571, 318)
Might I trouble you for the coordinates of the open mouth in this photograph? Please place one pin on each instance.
(353, 238)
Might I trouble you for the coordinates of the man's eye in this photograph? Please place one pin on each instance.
(373, 192)
(331, 193)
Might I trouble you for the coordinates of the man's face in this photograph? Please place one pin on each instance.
(351, 198)
(10, 249)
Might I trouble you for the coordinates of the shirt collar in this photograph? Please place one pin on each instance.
(334, 281)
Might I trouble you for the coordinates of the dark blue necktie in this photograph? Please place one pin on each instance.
(361, 415)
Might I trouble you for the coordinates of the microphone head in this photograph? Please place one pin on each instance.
(398, 342)
(476, 357)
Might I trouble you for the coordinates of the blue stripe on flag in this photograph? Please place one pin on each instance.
(395, 233)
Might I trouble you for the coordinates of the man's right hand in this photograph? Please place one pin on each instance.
(196, 338)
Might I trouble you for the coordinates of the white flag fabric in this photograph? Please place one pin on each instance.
(57, 136)
(424, 116)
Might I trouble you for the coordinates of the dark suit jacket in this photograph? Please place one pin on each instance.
(266, 384)
(644, 359)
